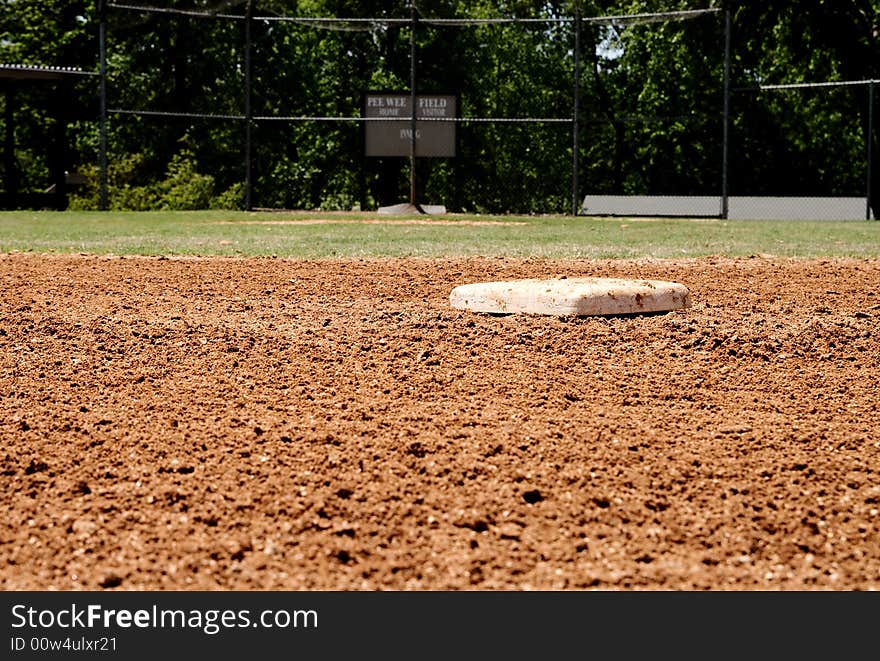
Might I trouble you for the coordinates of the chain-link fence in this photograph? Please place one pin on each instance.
(633, 114)
(802, 151)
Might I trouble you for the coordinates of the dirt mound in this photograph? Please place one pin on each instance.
(270, 424)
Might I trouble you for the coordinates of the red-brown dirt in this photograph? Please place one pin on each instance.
(270, 424)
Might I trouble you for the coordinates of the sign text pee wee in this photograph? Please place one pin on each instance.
(435, 134)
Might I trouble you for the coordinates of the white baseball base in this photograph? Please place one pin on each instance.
(565, 297)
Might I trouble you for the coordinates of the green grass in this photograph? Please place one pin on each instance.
(371, 234)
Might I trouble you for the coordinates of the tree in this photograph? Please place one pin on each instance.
(40, 111)
(653, 101)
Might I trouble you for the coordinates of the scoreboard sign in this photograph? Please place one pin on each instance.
(389, 137)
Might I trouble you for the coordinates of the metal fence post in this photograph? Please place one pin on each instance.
(412, 103)
(870, 150)
(726, 112)
(575, 119)
(102, 128)
(248, 111)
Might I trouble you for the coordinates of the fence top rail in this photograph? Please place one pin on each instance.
(791, 86)
(166, 113)
(601, 20)
(649, 17)
(170, 10)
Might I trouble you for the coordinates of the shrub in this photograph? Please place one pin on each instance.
(183, 187)
(231, 198)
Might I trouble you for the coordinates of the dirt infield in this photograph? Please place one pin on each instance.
(264, 424)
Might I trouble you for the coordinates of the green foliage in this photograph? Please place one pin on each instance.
(123, 193)
(651, 101)
(806, 141)
(231, 198)
(33, 33)
(183, 188)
